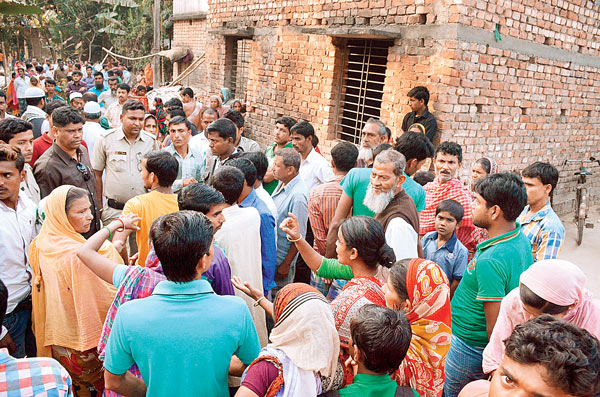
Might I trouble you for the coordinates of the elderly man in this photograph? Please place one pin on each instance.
(291, 195)
(446, 186)
(393, 208)
(374, 133)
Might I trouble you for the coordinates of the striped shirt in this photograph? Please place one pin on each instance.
(545, 232)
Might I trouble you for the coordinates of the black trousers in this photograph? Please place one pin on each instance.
(302, 269)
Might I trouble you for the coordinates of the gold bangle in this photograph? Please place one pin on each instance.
(257, 302)
(293, 241)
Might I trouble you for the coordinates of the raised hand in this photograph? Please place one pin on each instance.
(291, 227)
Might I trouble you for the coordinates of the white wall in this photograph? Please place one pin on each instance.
(189, 6)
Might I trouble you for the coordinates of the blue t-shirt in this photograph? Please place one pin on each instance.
(182, 338)
(452, 256)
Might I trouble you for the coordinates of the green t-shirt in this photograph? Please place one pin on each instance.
(490, 276)
(371, 385)
(356, 183)
(270, 153)
(332, 269)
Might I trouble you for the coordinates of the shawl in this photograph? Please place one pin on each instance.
(401, 206)
(356, 293)
(161, 118)
(69, 301)
(430, 320)
(221, 109)
(226, 93)
(556, 281)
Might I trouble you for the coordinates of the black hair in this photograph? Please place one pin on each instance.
(485, 164)
(230, 182)
(398, 274)
(452, 207)
(2, 95)
(174, 103)
(344, 156)
(39, 69)
(89, 97)
(74, 193)
(209, 110)
(546, 172)
(180, 120)
(247, 168)
(303, 128)
(366, 235)
(224, 127)
(99, 74)
(176, 112)
(124, 86)
(383, 337)
(28, 66)
(290, 157)
(11, 126)
(381, 148)
(53, 105)
(89, 67)
(132, 104)
(187, 91)
(34, 101)
(423, 177)
(414, 146)
(570, 355)
(50, 81)
(112, 77)
(287, 121)
(530, 298)
(236, 117)
(3, 301)
(180, 240)
(141, 87)
(63, 116)
(420, 93)
(12, 153)
(199, 197)
(76, 72)
(506, 190)
(259, 159)
(451, 148)
(164, 165)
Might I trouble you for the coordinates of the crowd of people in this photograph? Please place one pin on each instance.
(153, 249)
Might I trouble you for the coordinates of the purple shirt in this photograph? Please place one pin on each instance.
(219, 273)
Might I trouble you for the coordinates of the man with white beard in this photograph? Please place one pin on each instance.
(374, 133)
(393, 208)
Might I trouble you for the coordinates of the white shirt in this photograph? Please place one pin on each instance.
(92, 131)
(21, 85)
(106, 98)
(29, 185)
(113, 114)
(315, 170)
(402, 238)
(200, 140)
(244, 256)
(16, 233)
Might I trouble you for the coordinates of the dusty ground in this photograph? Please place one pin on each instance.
(587, 255)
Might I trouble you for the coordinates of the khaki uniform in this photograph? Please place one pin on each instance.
(122, 162)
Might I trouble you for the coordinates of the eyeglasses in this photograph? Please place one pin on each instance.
(84, 170)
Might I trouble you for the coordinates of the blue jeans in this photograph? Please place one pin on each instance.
(19, 327)
(463, 365)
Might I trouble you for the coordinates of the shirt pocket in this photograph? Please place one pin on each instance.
(117, 163)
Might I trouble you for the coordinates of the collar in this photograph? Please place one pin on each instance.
(449, 245)
(289, 185)
(195, 287)
(451, 182)
(337, 178)
(63, 155)
(46, 138)
(35, 110)
(424, 115)
(171, 149)
(311, 155)
(372, 379)
(121, 135)
(249, 200)
(500, 239)
(538, 216)
(5, 356)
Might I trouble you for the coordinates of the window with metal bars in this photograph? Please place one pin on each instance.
(361, 88)
(238, 78)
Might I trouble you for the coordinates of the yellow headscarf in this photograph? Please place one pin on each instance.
(69, 301)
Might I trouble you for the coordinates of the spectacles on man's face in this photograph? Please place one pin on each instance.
(84, 171)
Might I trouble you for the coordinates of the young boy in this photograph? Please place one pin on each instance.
(379, 340)
(442, 246)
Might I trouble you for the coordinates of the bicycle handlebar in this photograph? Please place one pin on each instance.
(590, 160)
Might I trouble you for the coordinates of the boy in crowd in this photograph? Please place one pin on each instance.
(442, 245)
(380, 338)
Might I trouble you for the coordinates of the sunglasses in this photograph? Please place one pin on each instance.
(84, 171)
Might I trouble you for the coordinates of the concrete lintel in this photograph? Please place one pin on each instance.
(188, 16)
(351, 32)
(246, 32)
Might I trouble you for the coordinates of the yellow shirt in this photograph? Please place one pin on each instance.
(149, 206)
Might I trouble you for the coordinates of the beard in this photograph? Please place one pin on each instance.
(99, 86)
(377, 202)
(365, 154)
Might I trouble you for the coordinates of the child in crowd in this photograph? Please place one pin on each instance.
(442, 246)
(380, 338)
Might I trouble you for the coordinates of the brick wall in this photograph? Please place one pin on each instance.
(534, 95)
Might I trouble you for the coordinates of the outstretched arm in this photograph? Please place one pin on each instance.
(311, 257)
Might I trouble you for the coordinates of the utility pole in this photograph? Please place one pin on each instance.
(156, 45)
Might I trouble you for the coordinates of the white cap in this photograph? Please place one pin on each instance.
(75, 95)
(91, 107)
(34, 92)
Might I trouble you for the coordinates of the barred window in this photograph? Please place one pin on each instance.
(239, 53)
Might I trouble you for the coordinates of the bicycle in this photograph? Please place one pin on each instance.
(581, 197)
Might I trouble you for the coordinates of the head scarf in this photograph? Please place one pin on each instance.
(305, 330)
(58, 275)
(226, 92)
(430, 320)
(556, 281)
(493, 165)
(161, 117)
